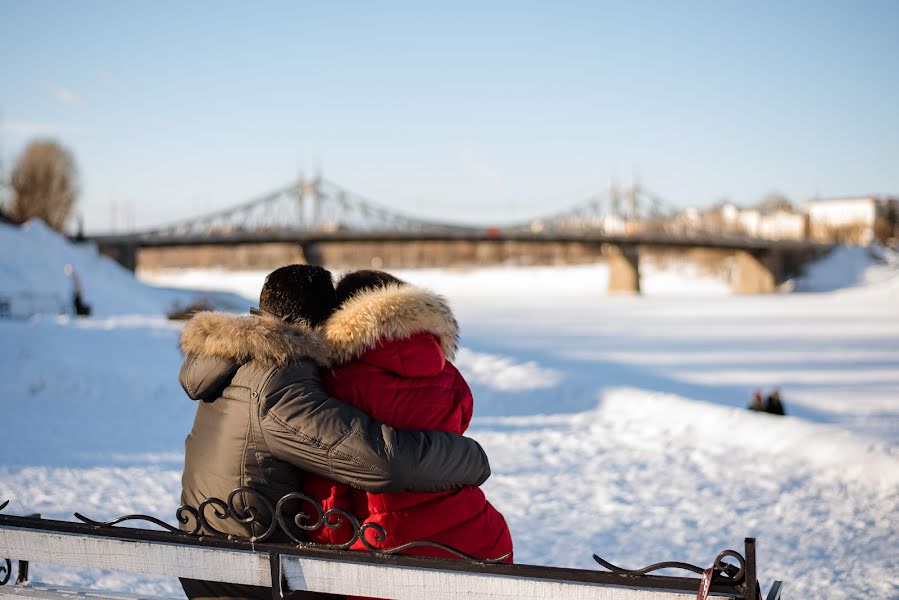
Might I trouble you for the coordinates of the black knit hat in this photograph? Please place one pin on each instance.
(366, 279)
(298, 293)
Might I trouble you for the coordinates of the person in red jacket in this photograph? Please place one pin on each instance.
(392, 342)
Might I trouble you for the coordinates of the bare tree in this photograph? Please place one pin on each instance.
(886, 227)
(774, 202)
(44, 183)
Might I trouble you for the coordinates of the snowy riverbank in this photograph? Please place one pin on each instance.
(614, 425)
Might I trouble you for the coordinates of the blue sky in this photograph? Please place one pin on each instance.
(479, 112)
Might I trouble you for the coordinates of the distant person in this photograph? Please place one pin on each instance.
(392, 343)
(265, 421)
(79, 307)
(773, 404)
(756, 402)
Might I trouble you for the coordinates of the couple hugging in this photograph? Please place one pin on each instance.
(347, 395)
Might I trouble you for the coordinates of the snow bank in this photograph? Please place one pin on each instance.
(646, 477)
(832, 451)
(33, 277)
(852, 266)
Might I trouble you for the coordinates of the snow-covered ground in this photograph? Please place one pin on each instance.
(615, 425)
(33, 278)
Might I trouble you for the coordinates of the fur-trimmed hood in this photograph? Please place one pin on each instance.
(244, 338)
(393, 312)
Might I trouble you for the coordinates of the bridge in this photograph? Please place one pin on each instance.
(320, 222)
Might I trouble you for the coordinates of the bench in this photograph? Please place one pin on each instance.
(199, 549)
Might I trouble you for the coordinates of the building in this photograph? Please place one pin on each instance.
(782, 225)
(780, 222)
(852, 220)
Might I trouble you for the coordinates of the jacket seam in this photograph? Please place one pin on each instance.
(332, 450)
(317, 442)
(190, 365)
(243, 458)
(265, 383)
(329, 448)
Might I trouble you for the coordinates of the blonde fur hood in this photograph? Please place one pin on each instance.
(389, 313)
(245, 338)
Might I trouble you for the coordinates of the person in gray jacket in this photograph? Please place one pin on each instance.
(264, 418)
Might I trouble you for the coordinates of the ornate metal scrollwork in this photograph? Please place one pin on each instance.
(724, 571)
(5, 571)
(290, 516)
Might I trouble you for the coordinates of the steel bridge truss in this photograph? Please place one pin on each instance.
(314, 205)
(318, 205)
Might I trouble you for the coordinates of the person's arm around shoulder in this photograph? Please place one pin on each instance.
(305, 426)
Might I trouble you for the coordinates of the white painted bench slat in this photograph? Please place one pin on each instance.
(151, 558)
(39, 591)
(344, 576)
(411, 583)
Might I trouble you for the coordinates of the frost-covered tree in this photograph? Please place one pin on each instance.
(44, 184)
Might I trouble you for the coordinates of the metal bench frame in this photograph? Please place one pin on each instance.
(302, 565)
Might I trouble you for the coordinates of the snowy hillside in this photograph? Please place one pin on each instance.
(852, 267)
(614, 425)
(33, 276)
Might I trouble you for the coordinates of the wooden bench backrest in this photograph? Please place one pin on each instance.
(338, 572)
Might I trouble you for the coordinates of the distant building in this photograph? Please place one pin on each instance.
(773, 222)
(852, 220)
(783, 225)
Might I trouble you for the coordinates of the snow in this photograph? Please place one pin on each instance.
(483, 284)
(615, 425)
(33, 276)
(850, 267)
(503, 373)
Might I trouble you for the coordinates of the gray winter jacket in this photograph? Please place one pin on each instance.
(264, 419)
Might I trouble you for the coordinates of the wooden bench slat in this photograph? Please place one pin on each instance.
(392, 580)
(151, 558)
(410, 583)
(39, 591)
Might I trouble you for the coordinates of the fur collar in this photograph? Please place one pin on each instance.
(246, 338)
(386, 314)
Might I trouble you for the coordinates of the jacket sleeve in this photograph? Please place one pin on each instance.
(303, 425)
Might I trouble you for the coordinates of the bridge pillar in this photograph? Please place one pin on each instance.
(624, 269)
(312, 253)
(755, 274)
(123, 253)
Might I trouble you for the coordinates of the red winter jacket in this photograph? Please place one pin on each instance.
(392, 344)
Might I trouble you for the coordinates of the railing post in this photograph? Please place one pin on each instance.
(752, 582)
(274, 560)
(22, 577)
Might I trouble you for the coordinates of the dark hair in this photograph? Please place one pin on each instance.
(366, 279)
(299, 293)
